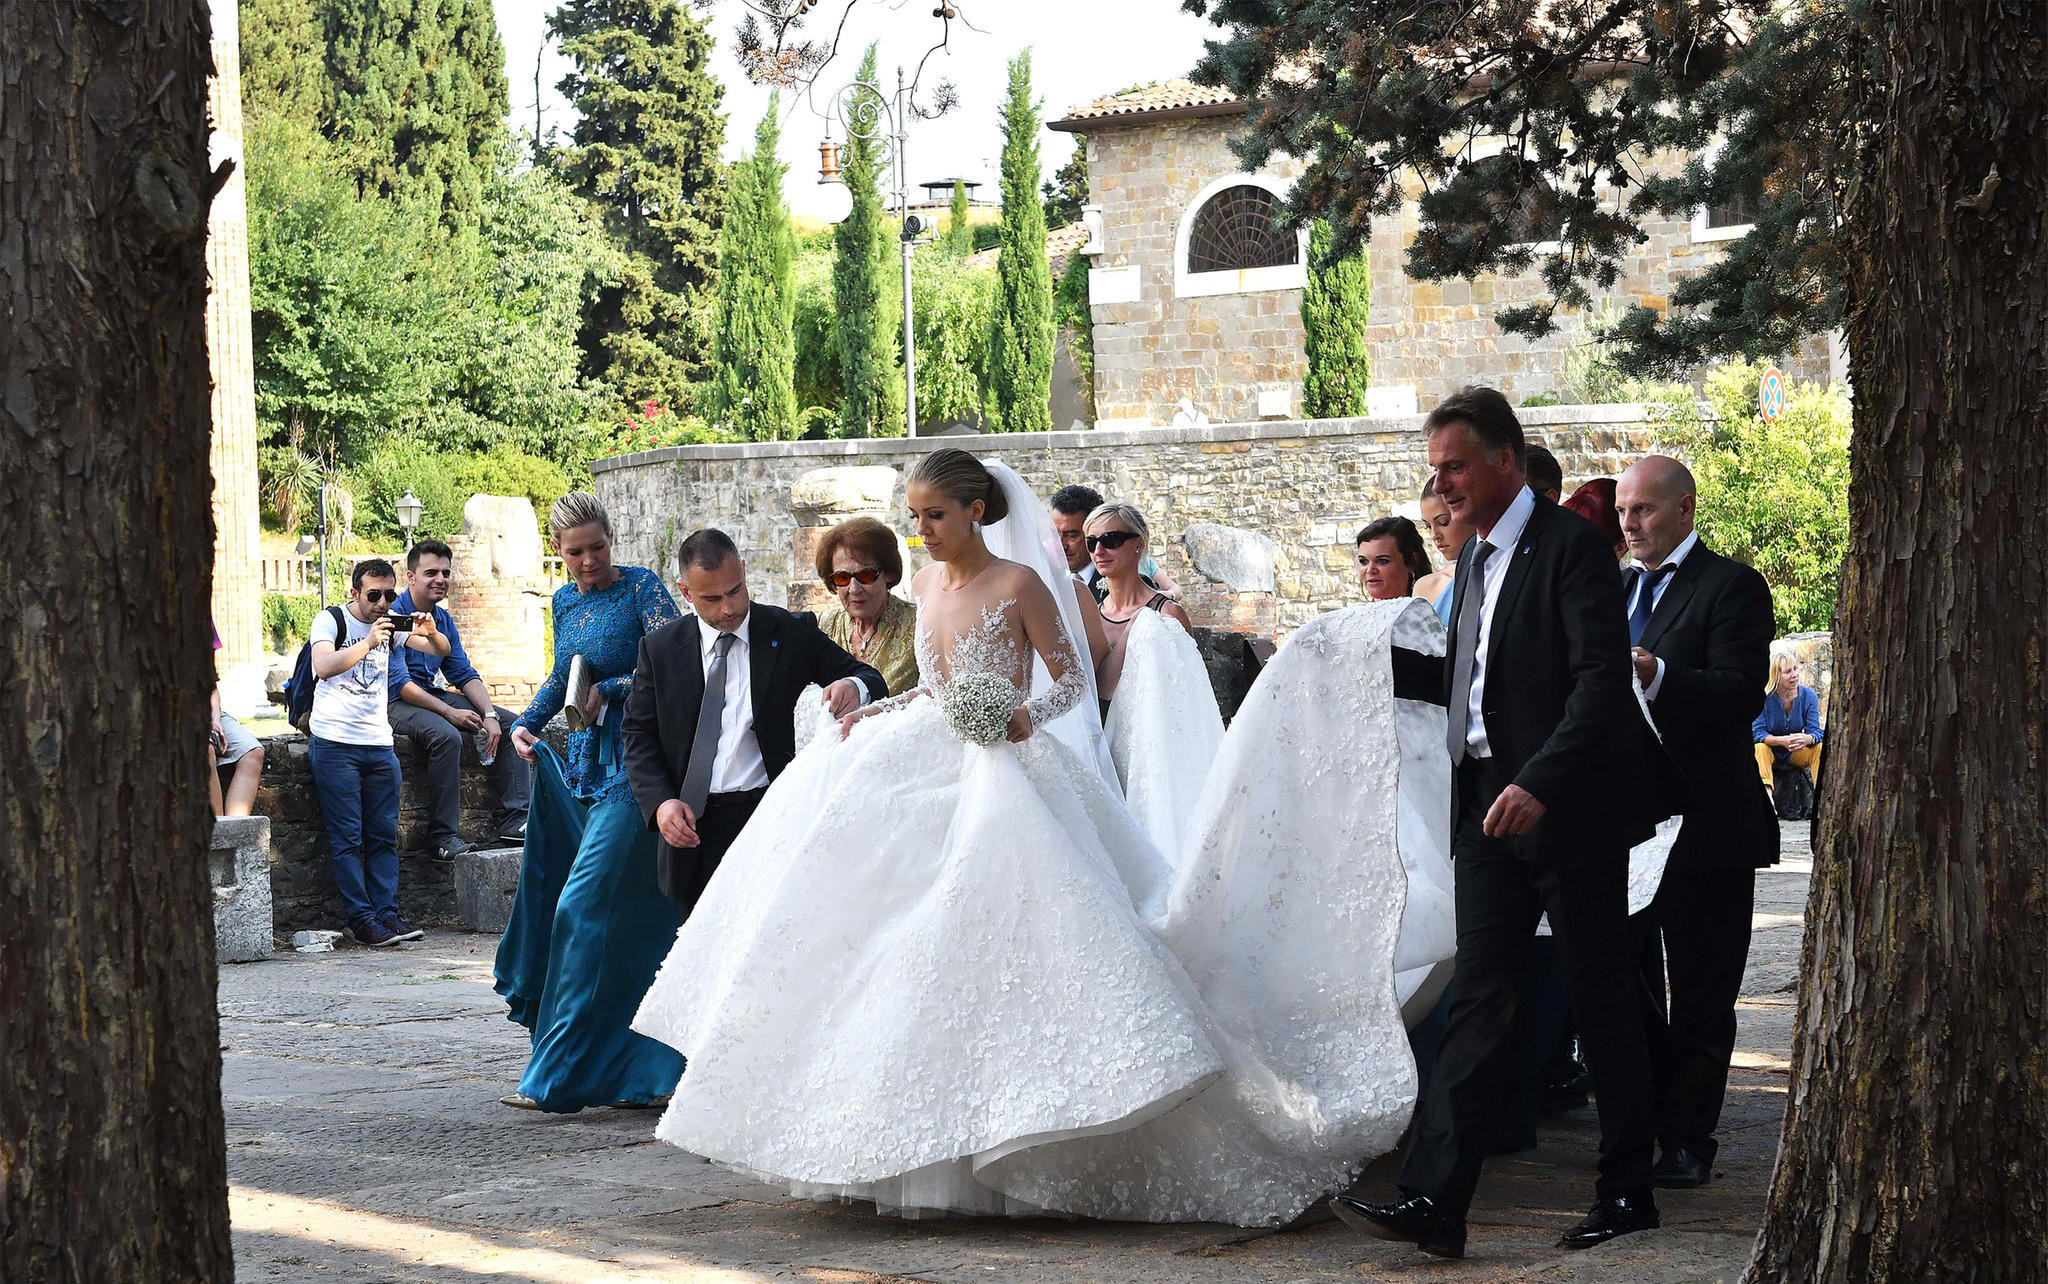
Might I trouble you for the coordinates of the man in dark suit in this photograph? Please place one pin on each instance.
(1701, 627)
(711, 718)
(1549, 791)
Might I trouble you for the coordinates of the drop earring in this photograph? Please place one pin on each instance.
(977, 528)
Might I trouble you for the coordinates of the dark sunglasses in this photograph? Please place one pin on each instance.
(866, 575)
(374, 596)
(1111, 540)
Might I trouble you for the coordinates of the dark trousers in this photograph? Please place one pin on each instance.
(357, 787)
(1702, 915)
(440, 741)
(685, 871)
(1500, 896)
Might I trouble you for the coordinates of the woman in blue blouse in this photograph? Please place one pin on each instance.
(589, 927)
(1787, 732)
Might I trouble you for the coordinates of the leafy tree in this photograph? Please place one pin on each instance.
(416, 98)
(1067, 190)
(815, 329)
(952, 302)
(868, 307)
(1898, 187)
(959, 229)
(644, 152)
(1020, 329)
(284, 61)
(752, 384)
(1774, 495)
(1335, 307)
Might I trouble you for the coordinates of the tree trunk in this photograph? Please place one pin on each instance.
(111, 1152)
(1917, 1135)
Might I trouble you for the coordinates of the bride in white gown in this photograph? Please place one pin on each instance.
(1003, 997)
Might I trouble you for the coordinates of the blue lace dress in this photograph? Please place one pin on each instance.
(589, 925)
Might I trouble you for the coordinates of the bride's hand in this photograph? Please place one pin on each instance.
(1020, 726)
(846, 722)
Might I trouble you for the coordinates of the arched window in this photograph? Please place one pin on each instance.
(1238, 228)
(1230, 240)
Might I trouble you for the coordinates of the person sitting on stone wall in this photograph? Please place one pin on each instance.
(355, 771)
(859, 561)
(437, 702)
(1545, 474)
(1391, 558)
(234, 747)
(1788, 736)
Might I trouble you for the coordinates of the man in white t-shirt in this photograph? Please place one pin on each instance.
(355, 771)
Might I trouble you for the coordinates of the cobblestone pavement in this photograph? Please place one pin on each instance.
(366, 1143)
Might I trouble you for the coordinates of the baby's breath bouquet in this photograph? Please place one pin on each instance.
(978, 707)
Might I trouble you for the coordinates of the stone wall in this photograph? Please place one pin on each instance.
(1220, 351)
(1305, 485)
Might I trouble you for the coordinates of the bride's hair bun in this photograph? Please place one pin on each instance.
(961, 478)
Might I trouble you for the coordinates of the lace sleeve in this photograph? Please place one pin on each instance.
(1069, 681)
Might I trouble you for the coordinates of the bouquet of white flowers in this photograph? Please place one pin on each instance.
(978, 707)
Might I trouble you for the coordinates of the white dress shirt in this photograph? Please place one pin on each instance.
(1663, 586)
(1506, 533)
(738, 765)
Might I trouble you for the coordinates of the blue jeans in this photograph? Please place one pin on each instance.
(357, 786)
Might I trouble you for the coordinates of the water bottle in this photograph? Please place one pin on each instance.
(484, 754)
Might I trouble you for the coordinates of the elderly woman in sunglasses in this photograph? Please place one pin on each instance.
(1116, 541)
(860, 562)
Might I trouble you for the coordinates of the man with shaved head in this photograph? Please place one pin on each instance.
(1700, 626)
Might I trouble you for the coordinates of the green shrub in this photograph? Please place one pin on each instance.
(382, 476)
(507, 472)
(1774, 495)
(288, 618)
(987, 236)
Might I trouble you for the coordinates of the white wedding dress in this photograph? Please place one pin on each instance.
(947, 977)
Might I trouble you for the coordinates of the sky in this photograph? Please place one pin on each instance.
(1081, 50)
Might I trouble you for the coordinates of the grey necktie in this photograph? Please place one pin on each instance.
(1474, 605)
(704, 747)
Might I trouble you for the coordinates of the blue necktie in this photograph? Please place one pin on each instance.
(1646, 602)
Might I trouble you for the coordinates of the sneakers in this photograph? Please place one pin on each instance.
(400, 929)
(513, 832)
(372, 933)
(450, 848)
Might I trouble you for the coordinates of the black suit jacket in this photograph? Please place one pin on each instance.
(1561, 714)
(786, 653)
(1712, 629)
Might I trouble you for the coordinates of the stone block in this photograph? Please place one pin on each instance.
(238, 860)
(1239, 559)
(828, 496)
(485, 881)
(505, 526)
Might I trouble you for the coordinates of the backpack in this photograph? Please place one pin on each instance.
(298, 693)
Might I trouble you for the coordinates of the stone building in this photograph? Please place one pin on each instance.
(1195, 295)
(237, 574)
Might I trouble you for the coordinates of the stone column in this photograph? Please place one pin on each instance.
(499, 598)
(820, 500)
(237, 576)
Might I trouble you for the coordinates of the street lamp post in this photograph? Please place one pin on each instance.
(868, 115)
(408, 516)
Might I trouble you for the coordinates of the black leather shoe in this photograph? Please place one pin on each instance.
(1680, 1169)
(1412, 1219)
(1615, 1216)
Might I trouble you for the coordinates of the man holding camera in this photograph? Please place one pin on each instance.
(437, 717)
(355, 771)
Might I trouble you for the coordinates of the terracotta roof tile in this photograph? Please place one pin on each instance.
(1170, 95)
(1059, 243)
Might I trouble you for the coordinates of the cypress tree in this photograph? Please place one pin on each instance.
(868, 303)
(645, 153)
(1020, 330)
(415, 96)
(753, 384)
(959, 232)
(1334, 310)
(284, 62)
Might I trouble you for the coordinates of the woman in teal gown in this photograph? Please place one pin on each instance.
(589, 925)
